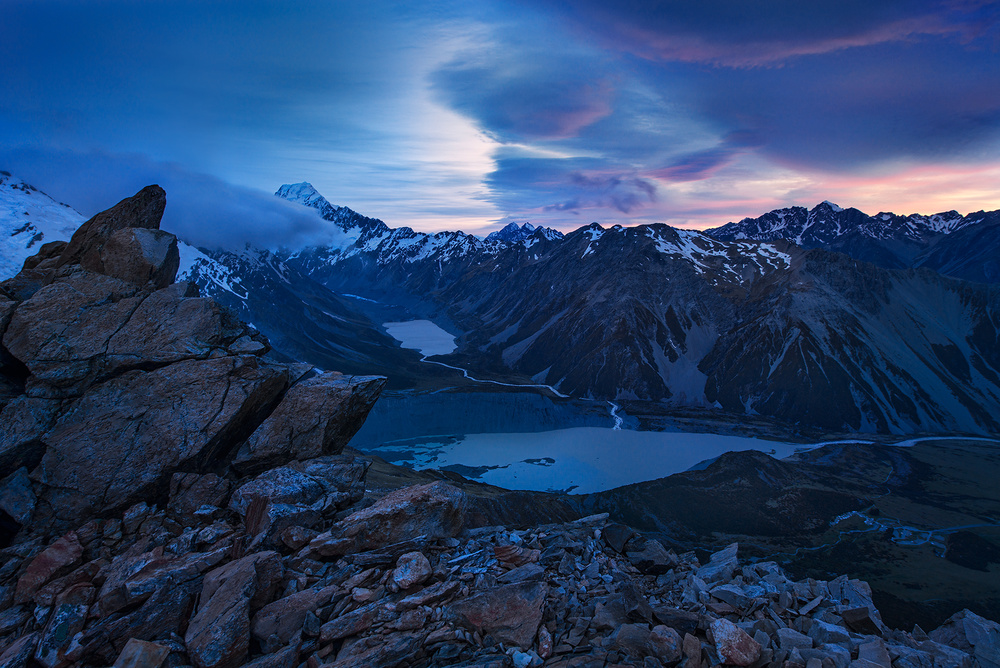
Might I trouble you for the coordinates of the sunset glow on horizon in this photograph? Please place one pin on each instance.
(455, 115)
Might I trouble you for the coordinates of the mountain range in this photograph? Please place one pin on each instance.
(966, 247)
(827, 318)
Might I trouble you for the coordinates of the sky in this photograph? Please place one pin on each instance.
(445, 114)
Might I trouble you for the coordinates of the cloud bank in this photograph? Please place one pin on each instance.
(203, 210)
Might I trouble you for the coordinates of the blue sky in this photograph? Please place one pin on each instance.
(445, 115)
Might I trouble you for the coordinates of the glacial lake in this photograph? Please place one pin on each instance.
(529, 439)
(421, 335)
(578, 460)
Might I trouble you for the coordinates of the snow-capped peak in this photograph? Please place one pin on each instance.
(512, 233)
(833, 206)
(304, 193)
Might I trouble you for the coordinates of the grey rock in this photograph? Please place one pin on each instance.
(141, 256)
(142, 210)
(412, 569)
(435, 510)
(317, 416)
(218, 636)
(721, 565)
(975, 635)
(789, 639)
(199, 405)
(17, 498)
(511, 613)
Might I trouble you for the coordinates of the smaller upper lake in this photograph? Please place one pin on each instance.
(421, 335)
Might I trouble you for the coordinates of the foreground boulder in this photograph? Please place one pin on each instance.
(114, 379)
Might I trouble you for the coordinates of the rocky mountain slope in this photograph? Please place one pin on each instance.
(302, 319)
(171, 498)
(28, 219)
(754, 327)
(949, 243)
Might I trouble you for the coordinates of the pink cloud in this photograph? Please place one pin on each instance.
(653, 44)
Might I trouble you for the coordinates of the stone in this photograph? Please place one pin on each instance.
(666, 644)
(342, 476)
(510, 613)
(12, 618)
(616, 536)
(218, 636)
(166, 612)
(25, 420)
(545, 642)
(434, 510)
(170, 325)
(649, 556)
(522, 574)
(142, 210)
(296, 537)
(61, 334)
(64, 552)
(860, 620)
(412, 569)
(286, 657)
(733, 644)
(17, 498)
(285, 616)
(691, 647)
(20, 652)
(46, 596)
(87, 327)
(683, 621)
(635, 605)
(141, 654)
(279, 486)
(824, 633)
(433, 595)
(631, 639)
(148, 575)
(350, 624)
(733, 595)
(141, 256)
(285, 497)
(201, 406)
(875, 653)
(515, 555)
(943, 655)
(381, 652)
(68, 617)
(721, 565)
(191, 491)
(789, 639)
(317, 416)
(975, 635)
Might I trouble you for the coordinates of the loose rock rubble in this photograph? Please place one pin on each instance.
(274, 556)
(161, 586)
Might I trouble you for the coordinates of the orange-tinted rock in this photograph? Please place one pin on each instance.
(511, 614)
(62, 553)
(735, 647)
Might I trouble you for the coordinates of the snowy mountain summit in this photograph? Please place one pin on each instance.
(513, 233)
(348, 220)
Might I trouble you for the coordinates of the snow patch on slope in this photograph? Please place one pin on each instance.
(28, 219)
